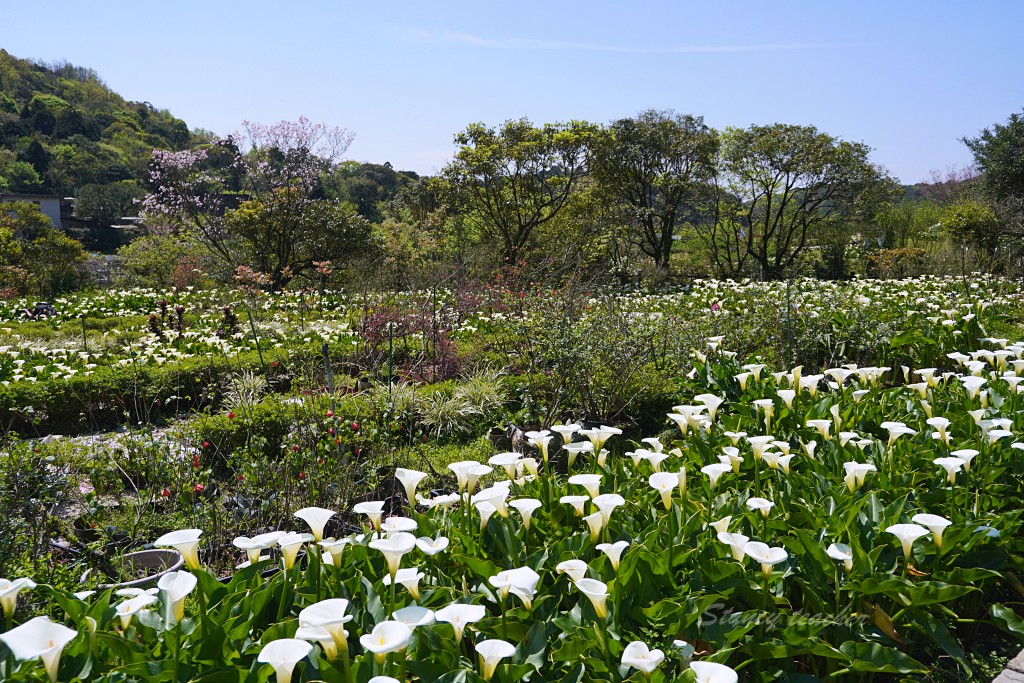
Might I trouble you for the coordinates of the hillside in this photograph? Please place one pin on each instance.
(63, 131)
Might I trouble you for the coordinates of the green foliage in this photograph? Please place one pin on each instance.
(285, 235)
(999, 155)
(909, 224)
(150, 261)
(114, 395)
(369, 186)
(518, 177)
(972, 223)
(654, 166)
(786, 186)
(106, 204)
(36, 257)
(30, 488)
(73, 130)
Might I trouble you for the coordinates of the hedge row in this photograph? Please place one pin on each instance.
(129, 394)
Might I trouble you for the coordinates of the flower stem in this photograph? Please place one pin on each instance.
(345, 665)
(177, 653)
(284, 593)
(504, 622)
(838, 595)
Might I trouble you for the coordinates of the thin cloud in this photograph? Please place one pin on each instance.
(455, 38)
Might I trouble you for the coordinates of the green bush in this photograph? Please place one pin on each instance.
(117, 395)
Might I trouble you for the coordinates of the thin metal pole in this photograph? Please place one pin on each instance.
(259, 351)
(330, 376)
(789, 321)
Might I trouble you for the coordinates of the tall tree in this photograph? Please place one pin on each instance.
(778, 185)
(999, 155)
(35, 256)
(653, 165)
(277, 220)
(518, 177)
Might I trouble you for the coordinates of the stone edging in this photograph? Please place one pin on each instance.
(1014, 671)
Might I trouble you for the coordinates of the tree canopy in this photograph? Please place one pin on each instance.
(654, 166)
(264, 208)
(519, 176)
(778, 185)
(63, 131)
(999, 155)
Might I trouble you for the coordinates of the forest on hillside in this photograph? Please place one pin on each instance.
(64, 131)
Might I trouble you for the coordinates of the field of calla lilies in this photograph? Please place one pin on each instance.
(848, 522)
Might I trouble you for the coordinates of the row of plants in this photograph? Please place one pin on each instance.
(626, 346)
(858, 524)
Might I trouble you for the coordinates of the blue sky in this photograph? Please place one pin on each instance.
(906, 77)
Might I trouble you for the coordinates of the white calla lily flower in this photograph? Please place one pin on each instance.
(39, 638)
(283, 655)
(711, 672)
(330, 616)
(394, 547)
(907, 534)
(317, 519)
(764, 554)
(597, 592)
(574, 569)
(174, 588)
(933, 523)
(491, 652)
(460, 615)
(186, 542)
(613, 551)
(9, 593)
(843, 553)
(409, 479)
(385, 638)
(638, 656)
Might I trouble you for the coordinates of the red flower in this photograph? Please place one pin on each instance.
(165, 493)
(319, 461)
(274, 364)
(331, 431)
(295, 448)
(239, 477)
(206, 444)
(355, 426)
(199, 488)
(330, 413)
(356, 450)
(302, 475)
(231, 416)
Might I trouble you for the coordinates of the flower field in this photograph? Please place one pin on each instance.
(854, 518)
